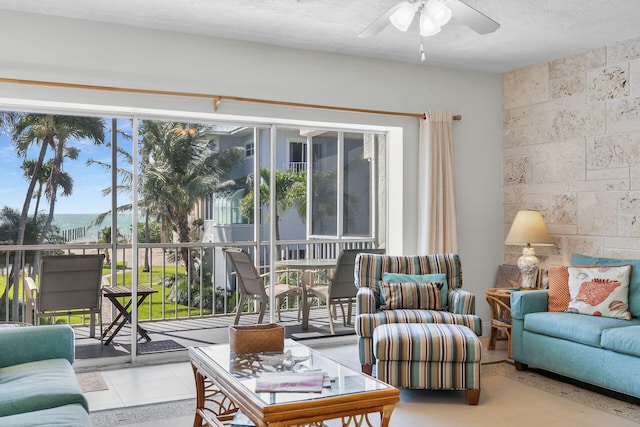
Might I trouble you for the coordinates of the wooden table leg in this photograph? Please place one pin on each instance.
(125, 315)
(385, 415)
(197, 421)
(122, 312)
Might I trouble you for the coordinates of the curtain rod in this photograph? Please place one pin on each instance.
(217, 99)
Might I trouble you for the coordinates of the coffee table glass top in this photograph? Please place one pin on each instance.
(297, 358)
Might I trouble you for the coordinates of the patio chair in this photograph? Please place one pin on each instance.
(252, 285)
(339, 289)
(69, 285)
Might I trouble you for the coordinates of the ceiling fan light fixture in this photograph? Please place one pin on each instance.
(439, 13)
(403, 17)
(427, 26)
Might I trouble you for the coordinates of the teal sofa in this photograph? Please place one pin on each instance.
(601, 351)
(38, 386)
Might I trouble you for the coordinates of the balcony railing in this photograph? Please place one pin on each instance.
(204, 288)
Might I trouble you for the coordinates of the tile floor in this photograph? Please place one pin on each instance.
(143, 385)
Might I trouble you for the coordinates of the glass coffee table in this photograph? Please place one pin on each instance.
(226, 383)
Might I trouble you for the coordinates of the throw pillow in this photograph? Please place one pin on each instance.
(634, 281)
(410, 295)
(422, 278)
(600, 291)
(559, 295)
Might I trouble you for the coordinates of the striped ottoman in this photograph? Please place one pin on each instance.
(429, 356)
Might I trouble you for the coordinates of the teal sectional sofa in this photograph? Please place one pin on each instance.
(602, 351)
(38, 386)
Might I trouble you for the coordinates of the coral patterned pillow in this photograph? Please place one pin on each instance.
(559, 295)
(600, 291)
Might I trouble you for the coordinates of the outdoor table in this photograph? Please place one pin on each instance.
(303, 265)
(115, 292)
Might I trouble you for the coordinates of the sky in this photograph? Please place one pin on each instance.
(88, 181)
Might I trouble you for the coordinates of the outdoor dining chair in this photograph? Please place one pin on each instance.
(253, 286)
(68, 285)
(339, 289)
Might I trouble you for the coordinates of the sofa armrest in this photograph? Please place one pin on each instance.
(366, 301)
(33, 343)
(523, 302)
(461, 302)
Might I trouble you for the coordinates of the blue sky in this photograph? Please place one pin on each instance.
(89, 181)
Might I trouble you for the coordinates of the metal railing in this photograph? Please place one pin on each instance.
(203, 287)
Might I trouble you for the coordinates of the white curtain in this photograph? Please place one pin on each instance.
(437, 229)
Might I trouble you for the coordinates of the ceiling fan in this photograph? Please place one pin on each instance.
(433, 14)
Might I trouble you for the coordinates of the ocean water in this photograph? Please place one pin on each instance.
(66, 222)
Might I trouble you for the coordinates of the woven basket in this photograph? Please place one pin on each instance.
(256, 338)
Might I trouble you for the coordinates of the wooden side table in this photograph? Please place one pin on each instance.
(499, 300)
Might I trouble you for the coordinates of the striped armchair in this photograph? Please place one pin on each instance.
(368, 273)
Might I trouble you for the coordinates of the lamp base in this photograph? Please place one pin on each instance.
(528, 264)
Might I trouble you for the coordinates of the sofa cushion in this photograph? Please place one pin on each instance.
(600, 291)
(424, 296)
(366, 323)
(559, 296)
(578, 328)
(39, 385)
(634, 281)
(622, 340)
(73, 415)
(421, 278)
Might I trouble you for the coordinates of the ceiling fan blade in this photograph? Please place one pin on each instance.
(472, 18)
(379, 24)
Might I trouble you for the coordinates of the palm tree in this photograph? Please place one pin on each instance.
(48, 131)
(181, 169)
(66, 181)
(178, 168)
(291, 192)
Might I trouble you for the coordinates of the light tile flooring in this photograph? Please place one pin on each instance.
(174, 381)
(143, 385)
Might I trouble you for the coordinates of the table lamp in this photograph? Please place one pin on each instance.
(530, 230)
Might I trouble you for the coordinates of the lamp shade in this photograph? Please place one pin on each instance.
(528, 228)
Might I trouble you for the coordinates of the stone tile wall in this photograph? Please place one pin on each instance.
(572, 150)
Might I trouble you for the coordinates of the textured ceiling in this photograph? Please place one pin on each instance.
(530, 32)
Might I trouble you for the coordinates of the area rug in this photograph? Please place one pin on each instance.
(627, 407)
(437, 406)
(143, 413)
(91, 381)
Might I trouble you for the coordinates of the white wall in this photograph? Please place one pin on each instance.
(44, 48)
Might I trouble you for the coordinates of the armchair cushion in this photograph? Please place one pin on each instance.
(424, 296)
(367, 323)
(421, 278)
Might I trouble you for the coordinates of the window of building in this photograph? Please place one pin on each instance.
(249, 149)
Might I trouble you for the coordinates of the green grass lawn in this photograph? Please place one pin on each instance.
(151, 308)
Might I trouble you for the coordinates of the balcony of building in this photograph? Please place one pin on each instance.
(192, 306)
